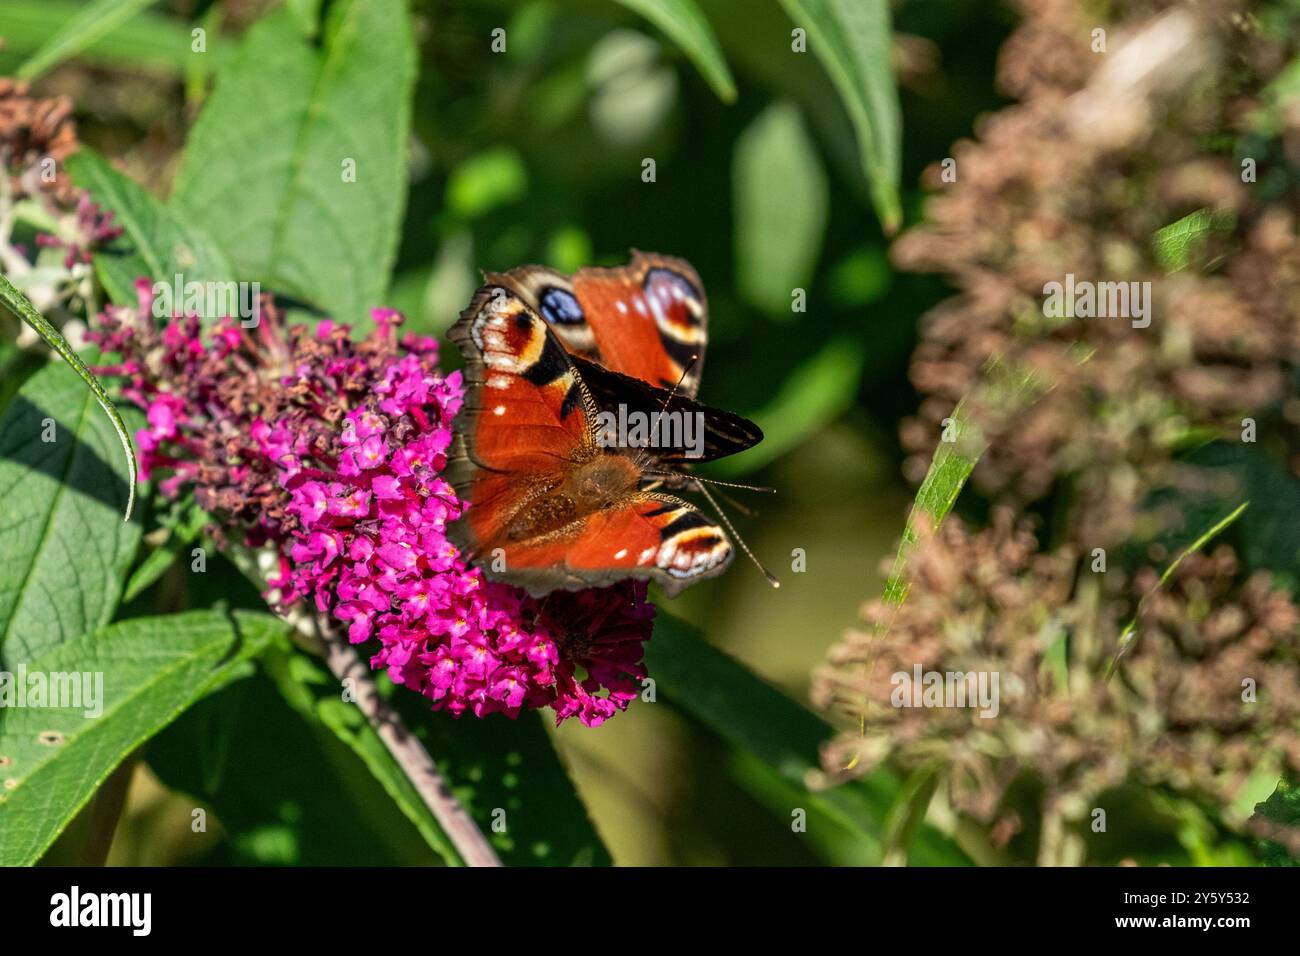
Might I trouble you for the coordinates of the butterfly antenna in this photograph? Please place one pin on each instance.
(740, 506)
(691, 476)
(686, 371)
(733, 484)
(771, 578)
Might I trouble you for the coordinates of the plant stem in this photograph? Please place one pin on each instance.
(410, 755)
(316, 636)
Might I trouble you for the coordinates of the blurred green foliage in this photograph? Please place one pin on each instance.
(773, 172)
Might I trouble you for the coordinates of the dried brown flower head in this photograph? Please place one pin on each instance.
(32, 132)
(1077, 180)
(1208, 692)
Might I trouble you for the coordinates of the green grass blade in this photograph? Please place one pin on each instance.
(1130, 629)
(952, 464)
(22, 307)
(93, 22)
(149, 42)
(962, 445)
(954, 460)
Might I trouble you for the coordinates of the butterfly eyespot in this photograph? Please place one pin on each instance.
(540, 482)
(669, 284)
(560, 307)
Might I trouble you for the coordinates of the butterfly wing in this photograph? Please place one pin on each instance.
(648, 535)
(714, 433)
(528, 422)
(526, 416)
(647, 319)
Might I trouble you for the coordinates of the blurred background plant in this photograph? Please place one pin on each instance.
(781, 176)
(1157, 143)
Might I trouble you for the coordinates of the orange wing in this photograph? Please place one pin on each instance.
(647, 535)
(647, 319)
(526, 428)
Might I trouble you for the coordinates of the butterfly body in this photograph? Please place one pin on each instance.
(550, 499)
(591, 482)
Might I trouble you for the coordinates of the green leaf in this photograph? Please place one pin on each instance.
(827, 832)
(860, 278)
(149, 41)
(1280, 812)
(814, 394)
(284, 791)
(491, 765)
(94, 21)
(1205, 537)
(961, 444)
(781, 202)
(908, 812)
(22, 307)
(511, 765)
(1278, 100)
(750, 714)
(316, 695)
(307, 13)
(1270, 535)
(288, 124)
(64, 549)
(686, 26)
(854, 42)
(16, 366)
(1177, 244)
(182, 530)
(482, 182)
(152, 669)
(161, 245)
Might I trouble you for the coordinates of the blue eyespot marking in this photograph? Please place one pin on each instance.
(670, 284)
(560, 307)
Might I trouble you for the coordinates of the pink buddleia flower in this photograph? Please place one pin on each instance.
(332, 450)
(81, 231)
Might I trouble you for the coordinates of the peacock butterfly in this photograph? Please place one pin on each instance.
(554, 492)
